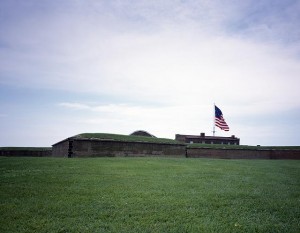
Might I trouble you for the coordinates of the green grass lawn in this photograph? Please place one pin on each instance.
(149, 195)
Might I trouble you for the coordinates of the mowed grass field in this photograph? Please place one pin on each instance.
(149, 195)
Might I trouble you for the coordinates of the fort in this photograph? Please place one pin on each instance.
(143, 144)
(113, 145)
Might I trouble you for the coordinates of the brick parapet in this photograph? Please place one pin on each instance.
(243, 153)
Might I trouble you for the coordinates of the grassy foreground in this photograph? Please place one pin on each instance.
(149, 195)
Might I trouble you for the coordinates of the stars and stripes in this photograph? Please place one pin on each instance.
(219, 120)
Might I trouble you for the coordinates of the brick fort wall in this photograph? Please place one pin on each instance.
(113, 148)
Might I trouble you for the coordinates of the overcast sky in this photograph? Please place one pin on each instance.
(77, 66)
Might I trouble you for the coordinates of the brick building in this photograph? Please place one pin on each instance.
(203, 139)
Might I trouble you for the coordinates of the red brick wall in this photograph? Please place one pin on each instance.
(242, 153)
(25, 153)
(60, 149)
(101, 148)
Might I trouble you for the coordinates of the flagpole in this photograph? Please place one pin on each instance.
(214, 127)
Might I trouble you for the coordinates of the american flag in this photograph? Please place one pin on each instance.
(219, 120)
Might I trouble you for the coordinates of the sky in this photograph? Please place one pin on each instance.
(82, 66)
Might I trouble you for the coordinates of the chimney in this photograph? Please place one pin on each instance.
(202, 135)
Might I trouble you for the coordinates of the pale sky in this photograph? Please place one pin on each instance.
(76, 66)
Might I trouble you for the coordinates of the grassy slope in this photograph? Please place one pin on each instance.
(129, 138)
(148, 195)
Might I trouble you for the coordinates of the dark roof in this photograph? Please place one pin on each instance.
(208, 137)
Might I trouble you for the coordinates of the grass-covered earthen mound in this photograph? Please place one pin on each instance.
(125, 138)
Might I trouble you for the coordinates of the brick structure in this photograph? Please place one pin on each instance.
(81, 147)
(203, 139)
(25, 152)
(243, 153)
